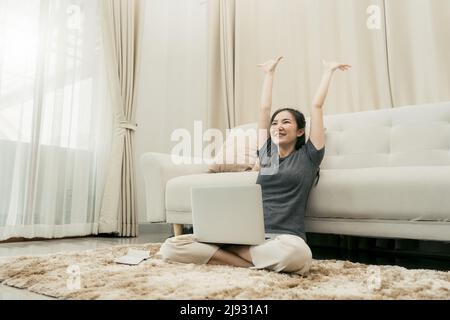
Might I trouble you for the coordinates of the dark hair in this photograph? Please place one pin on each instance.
(301, 124)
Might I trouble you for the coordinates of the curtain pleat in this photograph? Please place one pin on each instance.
(221, 99)
(122, 31)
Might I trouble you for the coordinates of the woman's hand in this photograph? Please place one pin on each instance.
(329, 68)
(333, 66)
(270, 65)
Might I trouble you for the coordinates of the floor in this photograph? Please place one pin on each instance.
(55, 246)
(159, 234)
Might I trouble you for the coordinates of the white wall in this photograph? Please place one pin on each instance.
(172, 86)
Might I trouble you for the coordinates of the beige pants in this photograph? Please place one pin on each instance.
(283, 253)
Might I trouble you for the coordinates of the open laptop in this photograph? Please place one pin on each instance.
(228, 215)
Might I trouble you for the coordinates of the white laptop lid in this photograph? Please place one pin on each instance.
(228, 215)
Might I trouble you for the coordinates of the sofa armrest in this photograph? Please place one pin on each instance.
(157, 169)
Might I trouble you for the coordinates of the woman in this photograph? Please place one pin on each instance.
(288, 169)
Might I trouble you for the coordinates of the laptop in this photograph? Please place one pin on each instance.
(228, 215)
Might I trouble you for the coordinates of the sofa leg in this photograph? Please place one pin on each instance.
(178, 229)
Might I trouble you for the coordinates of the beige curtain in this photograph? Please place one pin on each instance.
(121, 30)
(404, 61)
(221, 75)
(418, 34)
(305, 32)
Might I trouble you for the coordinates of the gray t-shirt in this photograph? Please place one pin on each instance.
(285, 193)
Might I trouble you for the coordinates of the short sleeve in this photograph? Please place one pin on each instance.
(315, 155)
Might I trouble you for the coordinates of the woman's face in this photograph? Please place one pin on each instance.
(283, 129)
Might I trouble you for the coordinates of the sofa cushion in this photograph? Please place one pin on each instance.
(238, 152)
(178, 190)
(393, 193)
(403, 136)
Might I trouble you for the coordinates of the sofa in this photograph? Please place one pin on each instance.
(385, 174)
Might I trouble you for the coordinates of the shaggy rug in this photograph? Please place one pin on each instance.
(93, 275)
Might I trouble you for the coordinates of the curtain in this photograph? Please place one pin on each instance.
(221, 75)
(122, 35)
(398, 50)
(54, 123)
(305, 32)
(418, 36)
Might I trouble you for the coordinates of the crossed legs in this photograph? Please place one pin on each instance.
(285, 253)
(232, 256)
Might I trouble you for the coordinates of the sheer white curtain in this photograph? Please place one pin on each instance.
(55, 122)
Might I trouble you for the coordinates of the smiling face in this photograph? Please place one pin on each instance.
(284, 130)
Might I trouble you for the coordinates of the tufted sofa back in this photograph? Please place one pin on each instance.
(416, 135)
(405, 136)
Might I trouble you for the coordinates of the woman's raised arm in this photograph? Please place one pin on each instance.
(266, 100)
(317, 134)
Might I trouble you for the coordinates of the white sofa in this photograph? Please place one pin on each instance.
(386, 173)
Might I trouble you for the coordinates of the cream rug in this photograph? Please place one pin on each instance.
(93, 275)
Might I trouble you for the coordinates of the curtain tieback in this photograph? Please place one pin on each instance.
(128, 125)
